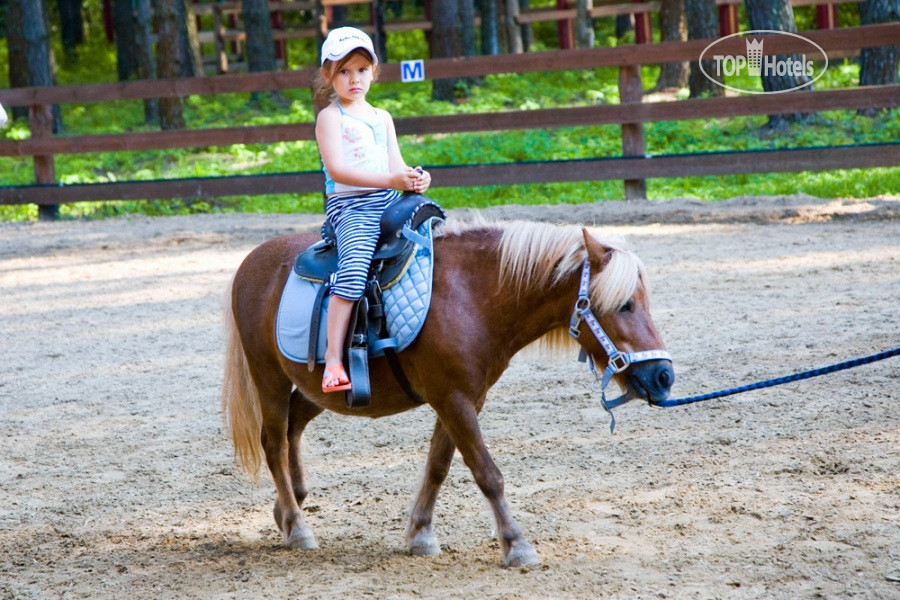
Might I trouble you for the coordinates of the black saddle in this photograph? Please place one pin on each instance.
(393, 252)
(392, 255)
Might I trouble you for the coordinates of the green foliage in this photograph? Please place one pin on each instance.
(523, 92)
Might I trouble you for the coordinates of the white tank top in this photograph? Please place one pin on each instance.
(365, 146)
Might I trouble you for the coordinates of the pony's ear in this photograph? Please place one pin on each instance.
(598, 254)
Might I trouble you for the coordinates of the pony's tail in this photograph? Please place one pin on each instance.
(240, 398)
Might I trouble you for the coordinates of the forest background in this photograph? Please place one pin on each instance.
(79, 52)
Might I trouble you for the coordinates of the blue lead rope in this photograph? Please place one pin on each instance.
(856, 362)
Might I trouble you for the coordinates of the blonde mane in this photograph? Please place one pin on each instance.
(536, 255)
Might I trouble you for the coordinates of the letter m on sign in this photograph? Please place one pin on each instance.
(412, 70)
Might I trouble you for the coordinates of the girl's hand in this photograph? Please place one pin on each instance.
(423, 182)
(406, 179)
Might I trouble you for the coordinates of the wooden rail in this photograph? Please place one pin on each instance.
(567, 14)
(848, 38)
(630, 114)
(887, 96)
(593, 169)
(235, 7)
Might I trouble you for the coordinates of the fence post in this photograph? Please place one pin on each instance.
(728, 19)
(565, 27)
(219, 33)
(41, 122)
(826, 16)
(277, 20)
(108, 25)
(643, 29)
(631, 89)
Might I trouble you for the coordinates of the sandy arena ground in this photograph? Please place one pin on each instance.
(117, 478)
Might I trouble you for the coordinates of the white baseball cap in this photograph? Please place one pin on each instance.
(343, 40)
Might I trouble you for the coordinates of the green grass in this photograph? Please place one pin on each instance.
(500, 92)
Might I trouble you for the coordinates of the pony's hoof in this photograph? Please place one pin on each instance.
(424, 544)
(521, 556)
(432, 549)
(301, 538)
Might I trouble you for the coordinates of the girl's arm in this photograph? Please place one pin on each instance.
(328, 137)
(395, 158)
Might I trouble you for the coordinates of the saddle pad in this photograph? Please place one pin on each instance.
(406, 305)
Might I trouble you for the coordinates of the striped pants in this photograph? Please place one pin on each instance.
(357, 224)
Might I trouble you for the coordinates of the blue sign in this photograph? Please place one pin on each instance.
(412, 70)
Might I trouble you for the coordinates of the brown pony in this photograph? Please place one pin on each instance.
(497, 288)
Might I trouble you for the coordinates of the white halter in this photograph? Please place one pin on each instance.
(618, 361)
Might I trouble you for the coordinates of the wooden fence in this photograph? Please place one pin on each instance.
(225, 30)
(633, 167)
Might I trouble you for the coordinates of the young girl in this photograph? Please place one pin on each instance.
(363, 171)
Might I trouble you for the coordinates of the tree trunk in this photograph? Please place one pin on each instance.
(467, 37)
(444, 43)
(126, 42)
(37, 52)
(467, 27)
(379, 37)
(191, 58)
(490, 45)
(39, 59)
(777, 15)
(878, 66)
(168, 63)
(584, 24)
(673, 29)
(513, 31)
(260, 44)
(18, 65)
(527, 28)
(36, 33)
(624, 24)
(146, 62)
(71, 27)
(338, 16)
(702, 24)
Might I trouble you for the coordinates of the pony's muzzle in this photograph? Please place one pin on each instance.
(651, 380)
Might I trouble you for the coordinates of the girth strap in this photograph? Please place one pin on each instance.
(400, 376)
(386, 343)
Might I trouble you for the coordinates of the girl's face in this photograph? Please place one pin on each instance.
(352, 81)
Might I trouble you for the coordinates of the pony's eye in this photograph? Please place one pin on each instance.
(627, 307)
